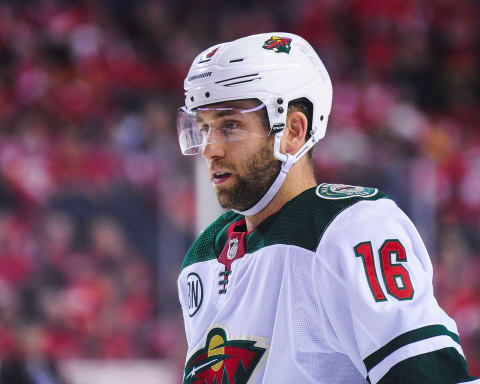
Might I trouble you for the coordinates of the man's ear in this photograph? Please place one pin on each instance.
(294, 132)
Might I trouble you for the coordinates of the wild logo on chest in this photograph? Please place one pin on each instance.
(225, 361)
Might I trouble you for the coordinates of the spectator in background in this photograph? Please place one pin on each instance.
(86, 125)
(30, 364)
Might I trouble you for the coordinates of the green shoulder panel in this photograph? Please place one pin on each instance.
(203, 249)
(303, 220)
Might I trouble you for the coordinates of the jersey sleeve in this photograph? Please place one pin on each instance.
(183, 298)
(374, 279)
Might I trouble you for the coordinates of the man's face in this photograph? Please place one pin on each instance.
(241, 171)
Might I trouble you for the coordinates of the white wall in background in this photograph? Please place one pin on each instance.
(118, 372)
(207, 205)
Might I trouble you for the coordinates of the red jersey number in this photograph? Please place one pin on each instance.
(395, 275)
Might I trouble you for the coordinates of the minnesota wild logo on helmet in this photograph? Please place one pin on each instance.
(278, 44)
(223, 361)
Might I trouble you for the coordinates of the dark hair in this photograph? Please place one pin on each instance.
(306, 107)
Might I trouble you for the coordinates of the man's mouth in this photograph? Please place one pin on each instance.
(220, 177)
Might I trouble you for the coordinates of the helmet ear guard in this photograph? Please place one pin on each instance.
(275, 68)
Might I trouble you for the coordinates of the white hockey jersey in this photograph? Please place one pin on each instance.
(334, 288)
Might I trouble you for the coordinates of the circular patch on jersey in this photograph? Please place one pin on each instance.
(195, 293)
(342, 191)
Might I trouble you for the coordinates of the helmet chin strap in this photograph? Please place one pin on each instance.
(273, 190)
(287, 161)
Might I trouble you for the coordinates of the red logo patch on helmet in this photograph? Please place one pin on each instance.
(278, 44)
(211, 53)
(224, 361)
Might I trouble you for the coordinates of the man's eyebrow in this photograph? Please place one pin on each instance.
(221, 112)
(226, 112)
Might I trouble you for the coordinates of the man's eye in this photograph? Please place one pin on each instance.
(229, 125)
(204, 130)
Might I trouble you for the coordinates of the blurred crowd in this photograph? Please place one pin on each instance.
(97, 205)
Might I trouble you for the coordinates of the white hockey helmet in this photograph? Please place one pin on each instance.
(275, 68)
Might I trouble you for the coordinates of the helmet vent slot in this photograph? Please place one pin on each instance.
(236, 60)
(204, 61)
(241, 82)
(236, 78)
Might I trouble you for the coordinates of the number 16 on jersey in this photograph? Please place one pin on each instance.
(395, 275)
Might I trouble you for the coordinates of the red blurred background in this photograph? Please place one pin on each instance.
(96, 202)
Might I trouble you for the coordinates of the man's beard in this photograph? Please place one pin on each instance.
(258, 176)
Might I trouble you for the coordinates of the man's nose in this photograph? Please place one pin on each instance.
(214, 148)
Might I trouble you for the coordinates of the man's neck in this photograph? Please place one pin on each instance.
(297, 181)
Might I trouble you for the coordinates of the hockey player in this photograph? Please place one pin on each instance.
(297, 282)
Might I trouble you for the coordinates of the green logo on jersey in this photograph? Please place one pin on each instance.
(224, 361)
(342, 191)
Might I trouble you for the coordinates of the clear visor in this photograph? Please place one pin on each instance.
(224, 123)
